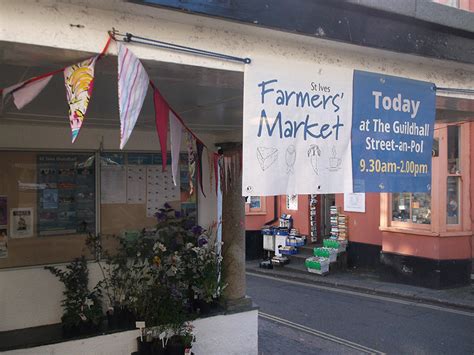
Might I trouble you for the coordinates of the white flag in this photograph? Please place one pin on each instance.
(132, 87)
(24, 92)
(176, 133)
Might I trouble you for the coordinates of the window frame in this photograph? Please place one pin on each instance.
(262, 210)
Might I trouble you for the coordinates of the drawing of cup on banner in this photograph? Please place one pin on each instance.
(313, 153)
(334, 161)
(290, 158)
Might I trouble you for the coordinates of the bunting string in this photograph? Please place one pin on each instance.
(132, 88)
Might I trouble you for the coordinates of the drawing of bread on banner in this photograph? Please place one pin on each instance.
(313, 154)
(266, 157)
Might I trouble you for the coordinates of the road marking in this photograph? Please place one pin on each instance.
(319, 333)
(361, 294)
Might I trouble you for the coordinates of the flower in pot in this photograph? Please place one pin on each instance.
(82, 308)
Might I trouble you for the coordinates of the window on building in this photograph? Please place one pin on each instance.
(412, 208)
(51, 201)
(454, 178)
(255, 205)
(47, 206)
(292, 202)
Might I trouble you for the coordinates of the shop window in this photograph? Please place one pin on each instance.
(47, 206)
(412, 208)
(445, 211)
(48, 201)
(134, 187)
(292, 202)
(255, 205)
(453, 199)
(454, 166)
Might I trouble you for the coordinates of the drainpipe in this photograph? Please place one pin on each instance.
(275, 211)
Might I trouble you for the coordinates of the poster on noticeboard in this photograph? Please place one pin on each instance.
(21, 222)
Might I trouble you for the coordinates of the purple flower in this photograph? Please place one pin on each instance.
(160, 216)
(202, 242)
(178, 214)
(197, 230)
(167, 205)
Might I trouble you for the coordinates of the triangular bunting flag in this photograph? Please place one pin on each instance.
(200, 148)
(191, 161)
(79, 81)
(210, 162)
(24, 92)
(162, 114)
(176, 132)
(132, 87)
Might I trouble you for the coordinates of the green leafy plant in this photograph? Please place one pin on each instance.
(82, 307)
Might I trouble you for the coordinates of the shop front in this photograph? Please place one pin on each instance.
(57, 199)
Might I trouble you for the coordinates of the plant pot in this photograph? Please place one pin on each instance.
(144, 347)
(157, 348)
(202, 307)
(88, 328)
(112, 320)
(175, 349)
(121, 318)
(70, 331)
(126, 318)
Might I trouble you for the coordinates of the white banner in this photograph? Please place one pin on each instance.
(297, 128)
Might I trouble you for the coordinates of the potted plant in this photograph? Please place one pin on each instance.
(182, 341)
(82, 308)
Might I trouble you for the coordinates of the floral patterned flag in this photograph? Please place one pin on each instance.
(132, 87)
(79, 81)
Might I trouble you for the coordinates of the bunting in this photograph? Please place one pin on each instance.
(200, 148)
(176, 133)
(162, 114)
(25, 92)
(79, 81)
(132, 87)
(191, 161)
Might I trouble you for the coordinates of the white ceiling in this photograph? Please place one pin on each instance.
(208, 100)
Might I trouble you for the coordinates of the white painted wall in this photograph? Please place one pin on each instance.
(47, 23)
(229, 334)
(31, 296)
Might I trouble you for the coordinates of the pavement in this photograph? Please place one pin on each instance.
(305, 318)
(369, 281)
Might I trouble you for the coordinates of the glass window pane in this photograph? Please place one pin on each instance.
(47, 206)
(292, 202)
(421, 208)
(255, 202)
(453, 150)
(401, 207)
(453, 200)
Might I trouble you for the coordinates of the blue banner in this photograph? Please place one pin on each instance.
(392, 133)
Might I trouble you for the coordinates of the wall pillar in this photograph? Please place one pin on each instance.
(233, 228)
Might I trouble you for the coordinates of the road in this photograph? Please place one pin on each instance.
(297, 318)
